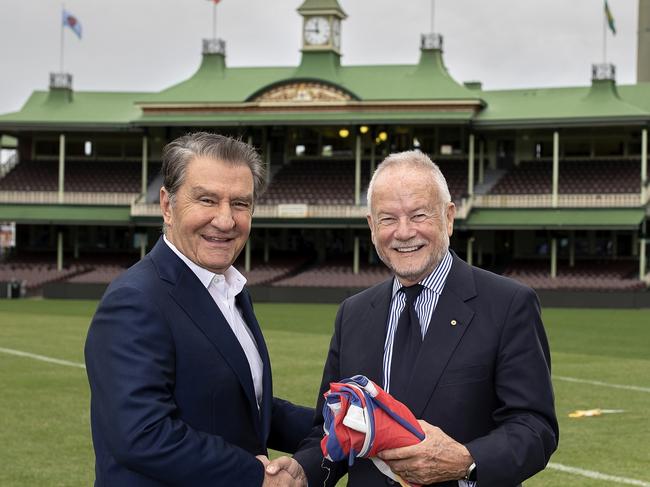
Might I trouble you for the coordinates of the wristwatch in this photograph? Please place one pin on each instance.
(471, 473)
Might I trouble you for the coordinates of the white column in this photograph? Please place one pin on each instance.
(644, 165)
(247, 256)
(266, 245)
(481, 161)
(642, 254)
(145, 164)
(143, 247)
(556, 168)
(75, 243)
(470, 166)
(355, 260)
(492, 153)
(642, 258)
(357, 171)
(553, 258)
(59, 251)
(61, 166)
(267, 161)
(470, 250)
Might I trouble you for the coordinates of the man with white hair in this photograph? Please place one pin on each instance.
(463, 348)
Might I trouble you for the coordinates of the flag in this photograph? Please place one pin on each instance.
(71, 21)
(214, 1)
(361, 420)
(610, 18)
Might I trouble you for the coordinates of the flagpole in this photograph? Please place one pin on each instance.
(61, 44)
(433, 6)
(604, 36)
(214, 20)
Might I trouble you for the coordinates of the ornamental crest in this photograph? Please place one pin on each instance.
(303, 92)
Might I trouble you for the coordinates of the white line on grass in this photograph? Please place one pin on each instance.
(597, 475)
(42, 358)
(604, 384)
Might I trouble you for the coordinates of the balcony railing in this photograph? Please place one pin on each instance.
(276, 211)
(74, 198)
(294, 210)
(619, 200)
(463, 207)
(8, 165)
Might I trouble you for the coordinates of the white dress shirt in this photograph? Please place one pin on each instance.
(223, 288)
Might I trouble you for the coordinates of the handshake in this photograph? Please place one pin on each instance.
(283, 471)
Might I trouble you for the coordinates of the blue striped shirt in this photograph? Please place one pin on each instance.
(425, 304)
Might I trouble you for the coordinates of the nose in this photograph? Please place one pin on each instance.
(405, 229)
(223, 218)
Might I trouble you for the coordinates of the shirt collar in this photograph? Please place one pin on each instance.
(235, 280)
(434, 281)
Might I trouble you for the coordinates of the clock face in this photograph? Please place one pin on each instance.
(317, 31)
(336, 33)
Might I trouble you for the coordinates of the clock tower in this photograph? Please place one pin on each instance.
(321, 27)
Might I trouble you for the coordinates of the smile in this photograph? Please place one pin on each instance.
(216, 239)
(404, 250)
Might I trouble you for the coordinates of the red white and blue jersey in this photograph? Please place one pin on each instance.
(361, 420)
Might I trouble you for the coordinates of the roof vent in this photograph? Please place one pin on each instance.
(473, 85)
(603, 71)
(61, 81)
(430, 42)
(214, 46)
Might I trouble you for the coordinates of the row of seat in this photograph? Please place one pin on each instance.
(592, 275)
(322, 182)
(584, 275)
(575, 177)
(80, 176)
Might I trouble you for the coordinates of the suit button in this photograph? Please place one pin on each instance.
(390, 481)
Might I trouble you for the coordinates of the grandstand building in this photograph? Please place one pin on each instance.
(551, 184)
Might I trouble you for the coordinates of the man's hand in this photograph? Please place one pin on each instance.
(284, 471)
(437, 458)
(264, 459)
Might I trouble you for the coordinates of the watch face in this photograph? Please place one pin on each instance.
(317, 31)
(336, 33)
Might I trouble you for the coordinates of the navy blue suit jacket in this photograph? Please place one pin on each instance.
(485, 380)
(172, 398)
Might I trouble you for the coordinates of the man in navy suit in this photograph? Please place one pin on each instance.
(179, 373)
(463, 348)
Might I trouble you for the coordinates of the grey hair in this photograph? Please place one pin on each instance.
(412, 159)
(178, 154)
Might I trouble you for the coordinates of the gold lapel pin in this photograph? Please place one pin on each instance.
(454, 322)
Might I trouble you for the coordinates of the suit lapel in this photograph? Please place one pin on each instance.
(371, 351)
(188, 292)
(244, 304)
(451, 319)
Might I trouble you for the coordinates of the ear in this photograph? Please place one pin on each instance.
(450, 215)
(165, 206)
(372, 228)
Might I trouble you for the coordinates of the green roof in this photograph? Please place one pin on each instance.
(309, 6)
(559, 218)
(574, 105)
(405, 87)
(213, 82)
(87, 108)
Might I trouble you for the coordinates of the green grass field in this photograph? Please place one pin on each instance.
(45, 429)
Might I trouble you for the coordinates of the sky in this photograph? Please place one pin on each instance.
(148, 45)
